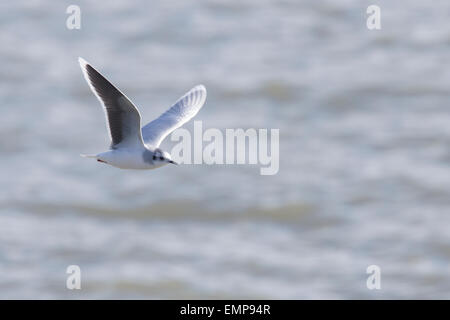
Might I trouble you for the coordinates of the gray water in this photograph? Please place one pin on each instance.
(364, 151)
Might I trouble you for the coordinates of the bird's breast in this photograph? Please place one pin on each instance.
(128, 159)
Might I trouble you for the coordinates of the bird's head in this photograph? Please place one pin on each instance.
(161, 157)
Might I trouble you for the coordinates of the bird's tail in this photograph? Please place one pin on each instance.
(89, 156)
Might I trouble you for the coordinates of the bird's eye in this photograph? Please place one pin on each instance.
(161, 158)
(154, 157)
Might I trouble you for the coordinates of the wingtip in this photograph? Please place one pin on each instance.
(201, 87)
(82, 62)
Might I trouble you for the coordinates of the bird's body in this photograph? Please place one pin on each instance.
(132, 147)
(124, 158)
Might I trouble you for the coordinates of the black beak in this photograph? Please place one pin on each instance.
(173, 162)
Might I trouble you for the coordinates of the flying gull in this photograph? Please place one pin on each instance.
(132, 147)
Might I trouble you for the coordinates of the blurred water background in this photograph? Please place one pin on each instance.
(364, 151)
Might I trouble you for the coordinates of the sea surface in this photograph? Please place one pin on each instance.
(364, 177)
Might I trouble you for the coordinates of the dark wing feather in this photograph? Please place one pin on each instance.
(123, 118)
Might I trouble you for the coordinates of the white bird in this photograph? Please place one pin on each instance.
(132, 147)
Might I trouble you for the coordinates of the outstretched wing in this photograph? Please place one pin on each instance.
(123, 118)
(181, 112)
